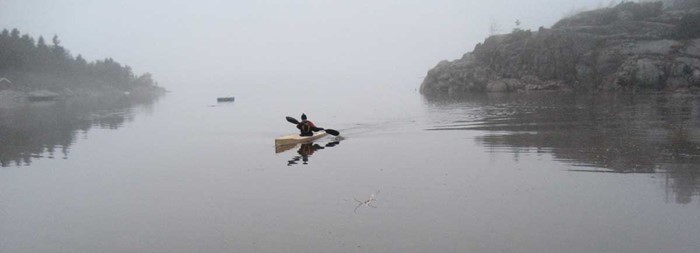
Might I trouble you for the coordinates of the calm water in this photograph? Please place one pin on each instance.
(541, 172)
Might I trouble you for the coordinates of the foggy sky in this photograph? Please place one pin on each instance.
(278, 43)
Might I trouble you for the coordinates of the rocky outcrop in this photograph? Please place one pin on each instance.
(632, 46)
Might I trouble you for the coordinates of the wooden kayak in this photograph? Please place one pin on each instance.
(296, 139)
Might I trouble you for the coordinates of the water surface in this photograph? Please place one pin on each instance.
(542, 172)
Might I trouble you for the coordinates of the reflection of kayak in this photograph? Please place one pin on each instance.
(295, 138)
(284, 148)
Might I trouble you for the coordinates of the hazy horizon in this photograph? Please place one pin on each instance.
(221, 44)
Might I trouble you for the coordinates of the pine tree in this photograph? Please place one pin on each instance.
(55, 41)
(41, 43)
(80, 60)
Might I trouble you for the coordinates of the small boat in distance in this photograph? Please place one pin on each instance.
(225, 99)
(296, 138)
(42, 95)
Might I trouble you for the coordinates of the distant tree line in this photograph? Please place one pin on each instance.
(33, 64)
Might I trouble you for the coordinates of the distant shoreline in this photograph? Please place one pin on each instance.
(37, 70)
(13, 98)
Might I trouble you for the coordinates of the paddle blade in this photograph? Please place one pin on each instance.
(292, 120)
(332, 132)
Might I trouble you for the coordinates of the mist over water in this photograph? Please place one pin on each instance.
(409, 173)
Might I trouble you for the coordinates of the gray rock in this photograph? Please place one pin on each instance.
(673, 84)
(658, 47)
(647, 74)
(694, 80)
(497, 86)
(628, 47)
(692, 48)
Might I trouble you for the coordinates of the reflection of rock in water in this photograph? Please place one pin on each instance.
(621, 133)
(682, 180)
(28, 131)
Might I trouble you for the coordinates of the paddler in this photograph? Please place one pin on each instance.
(307, 127)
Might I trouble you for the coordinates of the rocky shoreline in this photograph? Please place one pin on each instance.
(629, 47)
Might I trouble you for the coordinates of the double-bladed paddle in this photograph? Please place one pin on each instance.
(329, 131)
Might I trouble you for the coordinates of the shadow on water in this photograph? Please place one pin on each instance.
(40, 130)
(306, 150)
(610, 133)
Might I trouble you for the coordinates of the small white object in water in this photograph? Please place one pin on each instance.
(367, 202)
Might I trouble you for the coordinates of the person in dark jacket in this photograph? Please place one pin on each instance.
(307, 127)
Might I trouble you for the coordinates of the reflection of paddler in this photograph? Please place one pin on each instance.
(308, 149)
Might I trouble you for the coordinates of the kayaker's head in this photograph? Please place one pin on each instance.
(303, 116)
